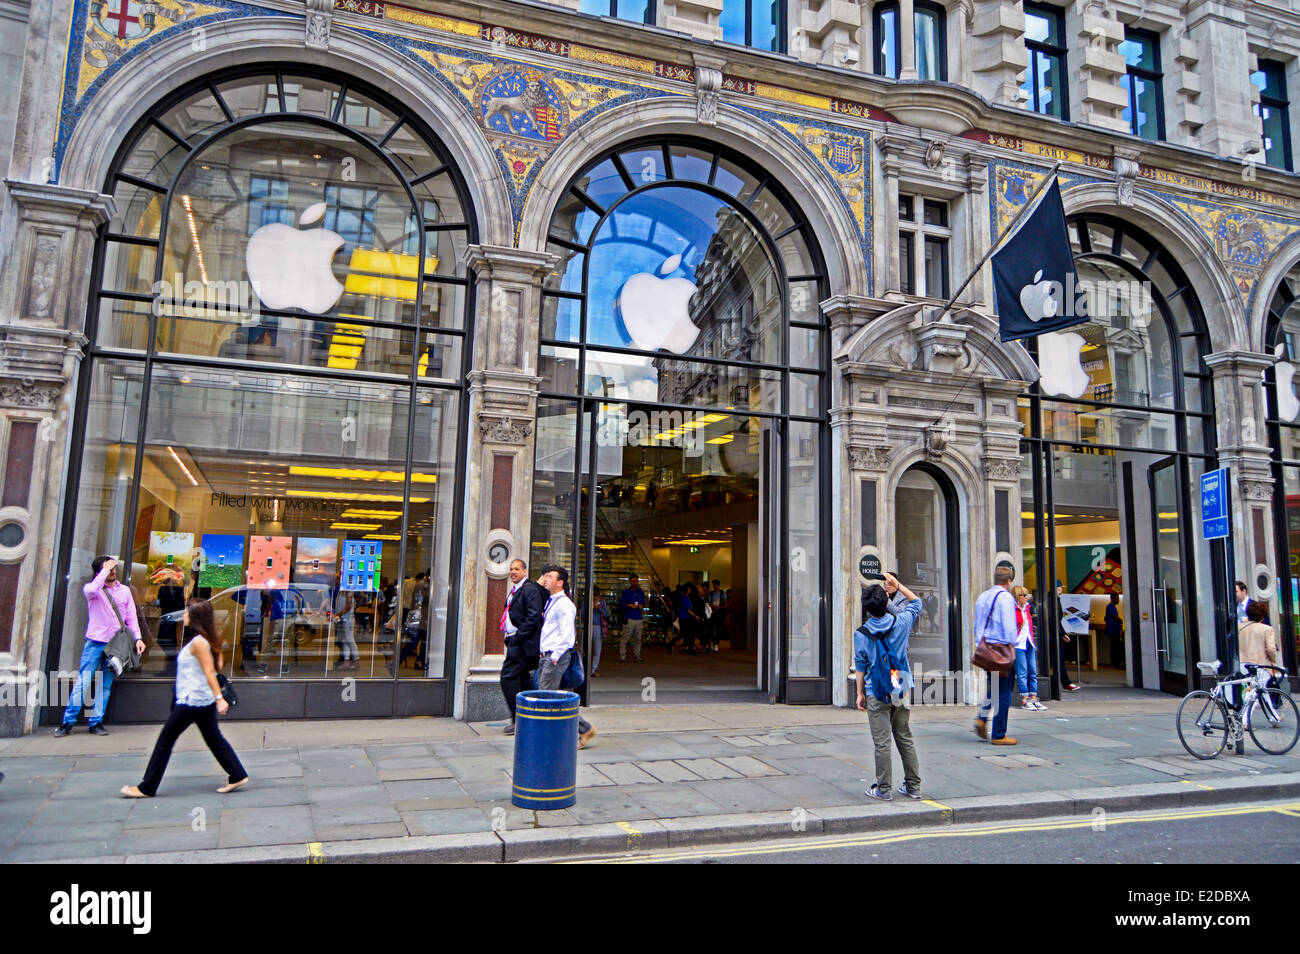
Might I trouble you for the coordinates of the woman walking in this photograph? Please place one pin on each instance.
(198, 700)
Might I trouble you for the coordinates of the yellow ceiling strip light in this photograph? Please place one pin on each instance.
(386, 514)
(355, 526)
(714, 418)
(381, 536)
(181, 465)
(351, 473)
(194, 239)
(346, 345)
(340, 495)
(697, 543)
(724, 439)
(379, 274)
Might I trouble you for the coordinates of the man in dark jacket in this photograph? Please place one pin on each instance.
(522, 627)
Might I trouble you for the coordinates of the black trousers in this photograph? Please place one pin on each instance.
(514, 677)
(180, 719)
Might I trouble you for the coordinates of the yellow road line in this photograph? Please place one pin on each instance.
(1208, 788)
(315, 853)
(854, 841)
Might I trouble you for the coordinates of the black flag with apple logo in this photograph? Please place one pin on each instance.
(1031, 272)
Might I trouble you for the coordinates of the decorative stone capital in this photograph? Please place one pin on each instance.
(499, 429)
(1001, 468)
(498, 262)
(873, 457)
(29, 395)
(320, 15)
(937, 438)
(1127, 169)
(942, 346)
(708, 88)
(1256, 489)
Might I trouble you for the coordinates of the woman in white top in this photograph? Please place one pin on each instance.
(1026, 652)
(198, 700)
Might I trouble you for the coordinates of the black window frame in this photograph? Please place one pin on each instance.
(877, 31)
(1156, 76)
(1039, 48)
(781, 25)
(1276, 69)
(941, 21)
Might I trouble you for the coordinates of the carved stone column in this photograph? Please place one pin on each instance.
(499, 488)
(44, 285)
(1239, 405)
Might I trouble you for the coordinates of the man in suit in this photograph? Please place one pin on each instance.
(521, 625)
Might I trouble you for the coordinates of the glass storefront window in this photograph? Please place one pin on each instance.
(273, 473)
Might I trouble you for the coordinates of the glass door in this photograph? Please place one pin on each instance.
(1168, 576)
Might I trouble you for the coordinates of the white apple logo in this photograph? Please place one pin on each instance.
(1039, 300)
(656, 311)
(290, 268)
(1059, 366)
(1287, 405)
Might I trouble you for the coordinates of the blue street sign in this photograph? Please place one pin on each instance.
(1215, 524)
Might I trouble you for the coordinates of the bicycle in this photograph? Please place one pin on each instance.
(1207, 719)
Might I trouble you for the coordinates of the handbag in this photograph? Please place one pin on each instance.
(575, 675)
(120, 651)
(227, 690)
(994, 657)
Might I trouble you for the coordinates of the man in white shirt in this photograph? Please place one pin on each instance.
(559, 634)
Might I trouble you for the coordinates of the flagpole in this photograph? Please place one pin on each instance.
(1011, 227)
(1002, 237)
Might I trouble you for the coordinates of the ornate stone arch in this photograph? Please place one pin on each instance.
(1183, 239)
(114, 112)
(809, 187)
(1285, 259)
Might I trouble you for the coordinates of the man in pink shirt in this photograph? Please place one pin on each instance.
(102, 623)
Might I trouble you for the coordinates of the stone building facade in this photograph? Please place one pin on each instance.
(471, 160)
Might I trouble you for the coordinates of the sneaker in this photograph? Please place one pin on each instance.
(906, 790)
(509, 730)
(1072, 687)
(982, 728)
(1006, 740)
(98, 729)
(62, 730)
(1038, 706)
(586, 737)
(875, 792)
(1028, 704)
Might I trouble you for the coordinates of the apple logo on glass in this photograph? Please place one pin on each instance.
(1041, 299)
(290, 268)
(1287, 405)
(1060, 369)
(656, 310)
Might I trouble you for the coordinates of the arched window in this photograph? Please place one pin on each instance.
(272, 410)
(684, 352)
(1283, 337)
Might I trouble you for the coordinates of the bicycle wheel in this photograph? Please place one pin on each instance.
(1202, 724)
(1274, 721)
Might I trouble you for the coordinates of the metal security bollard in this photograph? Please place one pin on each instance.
(546, 750)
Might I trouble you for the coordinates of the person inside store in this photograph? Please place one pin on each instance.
(1115, 631)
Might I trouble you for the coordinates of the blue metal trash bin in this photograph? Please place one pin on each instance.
(546, 750)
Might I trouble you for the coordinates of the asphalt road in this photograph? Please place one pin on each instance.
(1258, 833)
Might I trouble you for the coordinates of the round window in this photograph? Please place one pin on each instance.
(12, 535)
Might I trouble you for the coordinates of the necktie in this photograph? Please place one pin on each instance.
(505, 614)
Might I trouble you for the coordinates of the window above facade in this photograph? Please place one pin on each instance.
(639, 11)
(929, 30)
(1145, 112)
(887, 50)
(923, 240)
(1274, 112)
(1045, 83)
(756, 23)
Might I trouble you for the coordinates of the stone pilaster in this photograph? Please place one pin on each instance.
(1240, 404)
(1217, 30)
(44, 286)
(831, 31)
(997, 51)
(1101, 97)
(699, 18)
(502, 398)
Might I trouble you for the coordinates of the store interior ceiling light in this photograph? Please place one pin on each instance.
(340, 495)
(385, 514)
(355, 526)
(350, 473)
(724, 439)
(194, 238)
(181, 464)
(382, 536)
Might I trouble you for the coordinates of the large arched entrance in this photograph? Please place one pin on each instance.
(271, 414)
(1112, 450)
(681, 428)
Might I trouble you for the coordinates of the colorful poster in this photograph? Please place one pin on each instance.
(361, 560)
(170, 556)
(268, 562)
(221, 563)
(317, 560)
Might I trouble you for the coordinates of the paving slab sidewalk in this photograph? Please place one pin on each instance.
(439, 790)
